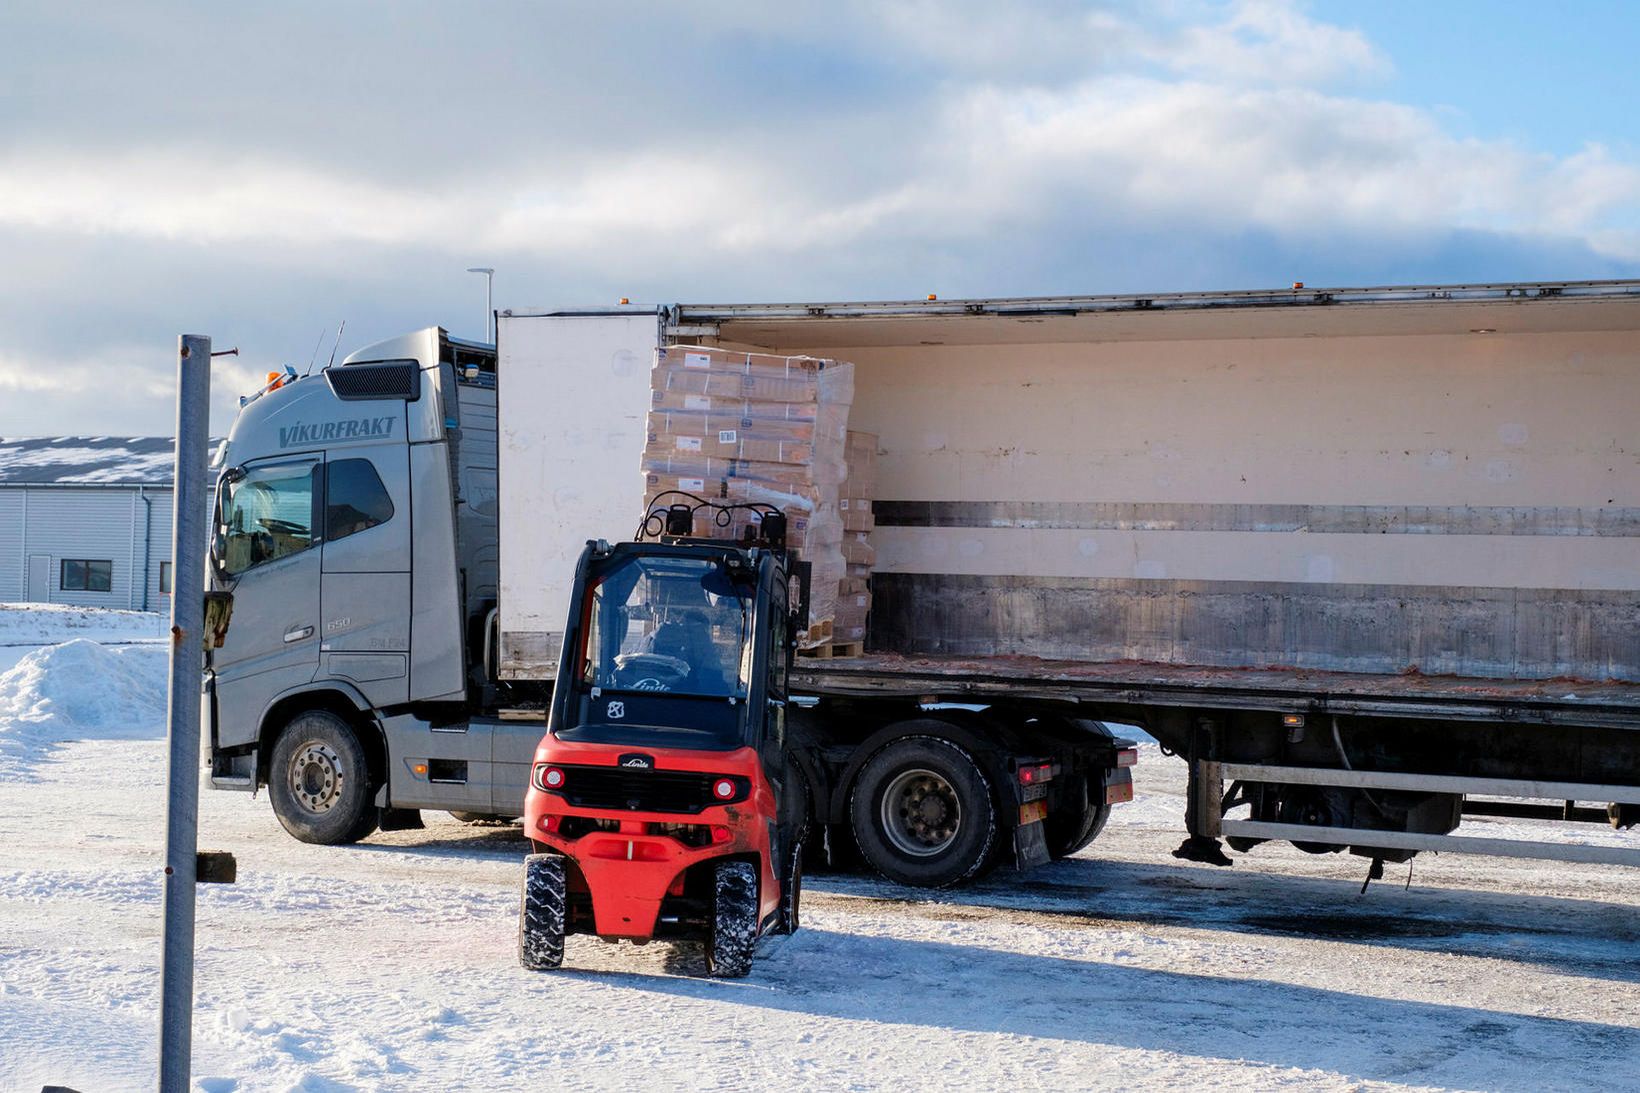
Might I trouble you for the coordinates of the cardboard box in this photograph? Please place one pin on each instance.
(856, 513)
(857, 549)
(734, 428)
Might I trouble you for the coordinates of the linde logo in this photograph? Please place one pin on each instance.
(361, 428)
(639, 762)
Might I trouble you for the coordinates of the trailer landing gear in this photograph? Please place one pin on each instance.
(1203, 849)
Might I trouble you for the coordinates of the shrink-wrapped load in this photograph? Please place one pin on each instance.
(752, 427)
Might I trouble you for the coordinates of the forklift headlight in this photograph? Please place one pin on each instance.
(549, 777)
(724, 789)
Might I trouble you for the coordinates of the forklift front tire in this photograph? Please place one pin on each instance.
(541, 913)
(734, 920)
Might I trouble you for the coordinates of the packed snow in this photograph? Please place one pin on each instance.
(32, 624)
(391, 964)
(79, 690)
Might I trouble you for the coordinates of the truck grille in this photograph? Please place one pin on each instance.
(637, 790)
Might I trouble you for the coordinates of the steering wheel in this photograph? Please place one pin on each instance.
(650, 671)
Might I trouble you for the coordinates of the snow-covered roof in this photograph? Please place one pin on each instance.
(81, 460)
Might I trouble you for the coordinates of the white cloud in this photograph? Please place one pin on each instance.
(1287, 160)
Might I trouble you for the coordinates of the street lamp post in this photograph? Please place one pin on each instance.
(489, 299)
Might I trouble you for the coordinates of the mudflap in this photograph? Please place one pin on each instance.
(1030, 846)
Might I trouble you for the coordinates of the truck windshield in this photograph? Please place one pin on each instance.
(676, 625)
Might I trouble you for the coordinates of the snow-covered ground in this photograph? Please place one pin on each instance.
(390, 965)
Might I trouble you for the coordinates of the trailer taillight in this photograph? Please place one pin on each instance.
(1127, 757)
(1035, 774)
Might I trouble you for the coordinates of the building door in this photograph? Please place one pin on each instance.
(39, 578)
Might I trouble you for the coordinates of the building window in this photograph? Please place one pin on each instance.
(165, 578)
(355, 499)
(82, 575)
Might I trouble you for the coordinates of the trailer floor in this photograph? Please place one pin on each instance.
(390, 965)
(1611, 702)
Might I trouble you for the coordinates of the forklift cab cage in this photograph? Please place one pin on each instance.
(682, 643)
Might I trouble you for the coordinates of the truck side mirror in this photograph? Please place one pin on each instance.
(218, 613)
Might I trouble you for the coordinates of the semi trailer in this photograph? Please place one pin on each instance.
(1365, 558)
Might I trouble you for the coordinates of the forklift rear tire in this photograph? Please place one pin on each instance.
(922, 813)
(541, 913)
(319, 781)
(734, 920)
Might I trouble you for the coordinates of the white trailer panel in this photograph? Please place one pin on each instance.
(573, 391)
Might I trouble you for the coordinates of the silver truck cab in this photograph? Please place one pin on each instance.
(355, 530)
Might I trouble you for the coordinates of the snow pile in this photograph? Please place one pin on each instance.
(39, 623)
(81, 690)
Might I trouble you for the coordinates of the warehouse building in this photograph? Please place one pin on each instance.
(87, 521)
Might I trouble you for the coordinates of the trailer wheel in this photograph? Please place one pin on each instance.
(791, 889)
(541, 913)
(319, 781)
(734, 920)
(1070, 829)
(922, 813)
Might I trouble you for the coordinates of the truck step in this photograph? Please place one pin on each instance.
(835, 650)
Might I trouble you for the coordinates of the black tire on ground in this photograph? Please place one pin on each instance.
(922, 813)
(734, 920)
(1071, 828)
(791, 889)
(319, 781)
(542, 909)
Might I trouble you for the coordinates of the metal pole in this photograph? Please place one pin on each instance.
(176, 998)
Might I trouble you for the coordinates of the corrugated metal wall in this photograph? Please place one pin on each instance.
(97, 524)
(13, 569)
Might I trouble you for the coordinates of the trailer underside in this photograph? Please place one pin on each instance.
(1385, 766)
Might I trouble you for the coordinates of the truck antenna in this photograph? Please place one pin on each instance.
(317, 342)
(337, 343)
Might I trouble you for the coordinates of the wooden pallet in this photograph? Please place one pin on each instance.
(835, 650)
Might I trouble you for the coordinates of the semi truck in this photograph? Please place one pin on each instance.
(1365, 559)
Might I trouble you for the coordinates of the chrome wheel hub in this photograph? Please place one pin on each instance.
(316, 776)
(920, 813)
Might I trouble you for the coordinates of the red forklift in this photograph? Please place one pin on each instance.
(658, 804)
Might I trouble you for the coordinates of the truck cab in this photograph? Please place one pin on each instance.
(361, 593)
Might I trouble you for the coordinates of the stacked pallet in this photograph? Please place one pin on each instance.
(754, 427)
(859, 490)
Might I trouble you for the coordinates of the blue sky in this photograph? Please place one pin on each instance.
(262, 173)
(1549, 76)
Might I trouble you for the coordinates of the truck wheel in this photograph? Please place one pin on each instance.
(922, 813)
(734, 920)
(541, 912)
(1070, 829)
(791, 889)
(319, 781)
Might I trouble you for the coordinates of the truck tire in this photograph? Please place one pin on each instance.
(541, 911)
(791, 889)
(734, 920)
(922, 813)
(319, 781)
(1069, 830)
